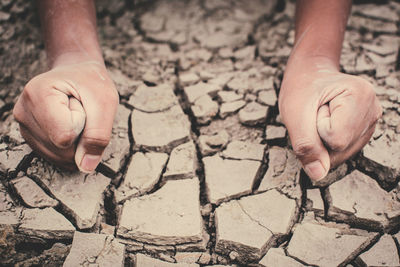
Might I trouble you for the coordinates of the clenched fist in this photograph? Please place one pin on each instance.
(329, 115)
(67, 113)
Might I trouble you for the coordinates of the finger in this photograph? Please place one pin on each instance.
(48, 101)
(54, 118)
(300, 118)
(323, 119)
(352, 113)
(338, 157)
(61, 158)
(100, 110)
(58, 121)
(339, 121)
(78, 115)
(39, 140)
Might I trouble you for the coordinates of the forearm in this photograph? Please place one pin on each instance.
(69, 29)
(320, 28)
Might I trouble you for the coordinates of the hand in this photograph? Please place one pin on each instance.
(52, 109)
(329, 115)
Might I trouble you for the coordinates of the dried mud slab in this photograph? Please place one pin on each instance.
(160, 131)
(95, 249)
(117, 151)
(31, 194)
(383, 253)
(142, 260)
(253, 114)
(11, 158)
(327, 245)
(381, 157)
(201, 89)
(273, 133)
(226, 179)
(143, 172)
(235, 130)
(244, 150)
(169, 216)
(358, 200)
(182, 162)
(204, 109)
(250, 226)
(315, 203)
(45, 223)
(72, 189)
(210, 144)
(9, 129)
(283, 173)
(153, 99)
(9, 211)
(277, 257)
(229, 108)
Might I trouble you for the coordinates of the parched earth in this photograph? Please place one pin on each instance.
(199, 171)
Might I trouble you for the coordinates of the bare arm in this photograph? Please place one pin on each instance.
(320, 28)
(66, 114)
(69, 31)
(329, 115)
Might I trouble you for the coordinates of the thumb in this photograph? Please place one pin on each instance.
(96, 134)
(300, 119)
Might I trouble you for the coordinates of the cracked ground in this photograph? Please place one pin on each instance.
(199, 171)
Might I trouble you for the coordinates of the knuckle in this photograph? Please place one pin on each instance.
(368, 96)
(109, 99)
(113, 96)
(364, 87)
(63, 139)
(18, 113)
(96, 140)
(363, 83)
(367, 90)
(338, 143)
(303, 147)
(28, 91)
(33, 87)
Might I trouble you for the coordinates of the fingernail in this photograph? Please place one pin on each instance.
(89, 162)
(315, 170)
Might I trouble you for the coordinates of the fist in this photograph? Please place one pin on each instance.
(329, 115)
(67, 113)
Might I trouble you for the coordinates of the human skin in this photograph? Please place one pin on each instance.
(67, 113)
(329, 115)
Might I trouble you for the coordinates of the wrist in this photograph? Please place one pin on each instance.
(74, 57)
(300, 62)
(302, 71)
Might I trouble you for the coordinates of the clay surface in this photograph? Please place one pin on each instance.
(200, 170)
